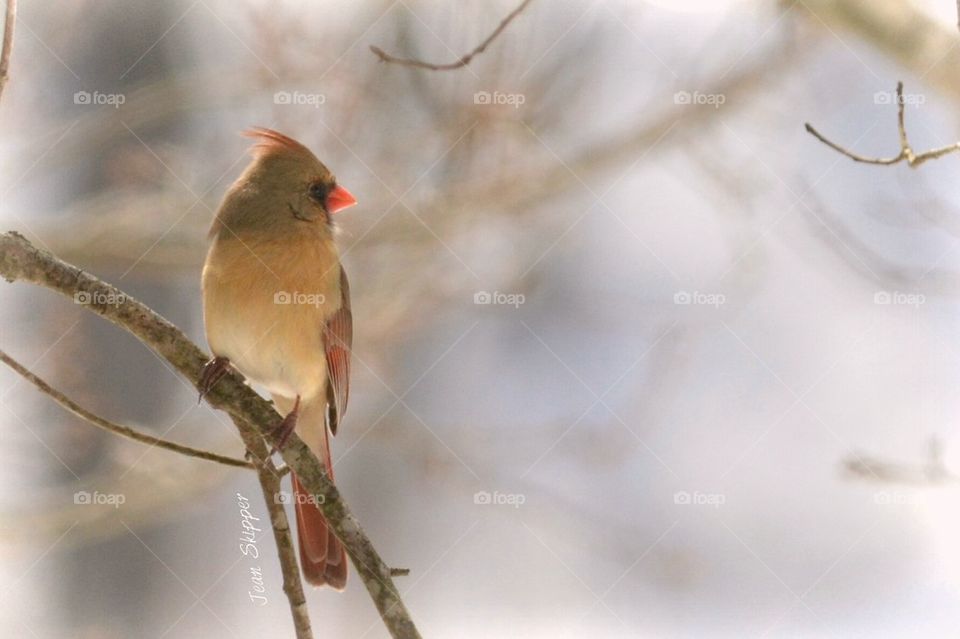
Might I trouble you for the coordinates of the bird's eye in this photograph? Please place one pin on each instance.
(319, 192)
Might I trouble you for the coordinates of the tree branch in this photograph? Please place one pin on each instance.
(903, 31)
(906, 152)
(289, 566)
(464, 60)
(7, 47)
(253, 415)
(116, 429)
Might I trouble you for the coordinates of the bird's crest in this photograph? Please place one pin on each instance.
(269, 142)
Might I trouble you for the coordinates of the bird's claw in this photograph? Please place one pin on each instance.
(286, 427)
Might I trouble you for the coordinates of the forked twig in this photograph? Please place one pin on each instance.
(465, 59)
(906, 151)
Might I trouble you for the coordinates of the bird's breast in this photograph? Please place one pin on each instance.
(265, 305)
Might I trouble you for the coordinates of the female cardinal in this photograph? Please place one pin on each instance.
(276, 306)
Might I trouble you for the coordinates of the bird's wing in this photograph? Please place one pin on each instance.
(338, 342)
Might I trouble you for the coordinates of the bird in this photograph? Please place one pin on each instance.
(276, 308)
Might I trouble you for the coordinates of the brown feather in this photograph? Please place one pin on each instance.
(270, 141)
(338, 343)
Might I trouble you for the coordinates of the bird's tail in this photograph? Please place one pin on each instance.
(322, 557)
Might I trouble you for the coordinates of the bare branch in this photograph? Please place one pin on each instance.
(253, 415)
(850, 154)
(902, 31)
(906, 151)
(117, 429)
(289, 566)
(463, 61)
(7, 47)
(931, 472)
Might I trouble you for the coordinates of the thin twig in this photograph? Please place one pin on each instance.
(906, 151)
(289, 566)
(253, 415)
(850, 154)
(464, 60)
(117, 429)
(7, 47)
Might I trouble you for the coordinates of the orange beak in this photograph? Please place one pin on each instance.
(339, 199)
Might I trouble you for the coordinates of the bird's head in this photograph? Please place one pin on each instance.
(285, 186)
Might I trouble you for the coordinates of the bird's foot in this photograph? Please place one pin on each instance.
(287, 427)
(213, 370)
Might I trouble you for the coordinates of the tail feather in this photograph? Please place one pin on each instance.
(323, 559)
(322, 556)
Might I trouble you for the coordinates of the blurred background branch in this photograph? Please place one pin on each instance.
(932, 471)
(901, 30)
(6, 48)
(464, 59)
